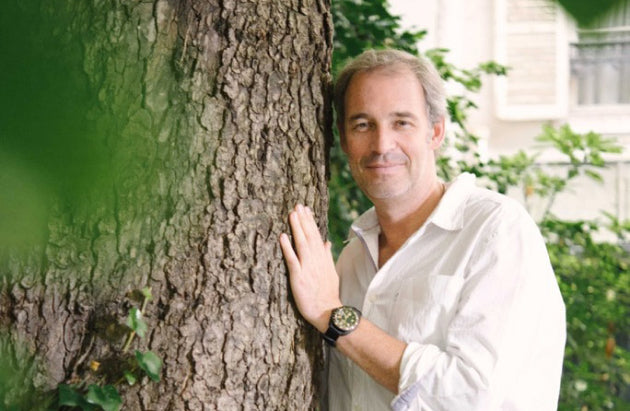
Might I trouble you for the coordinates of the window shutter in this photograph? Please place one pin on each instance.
(531, 39)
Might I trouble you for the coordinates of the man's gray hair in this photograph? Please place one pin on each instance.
(424, 70)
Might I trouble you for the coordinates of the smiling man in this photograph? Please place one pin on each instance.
(444, 297)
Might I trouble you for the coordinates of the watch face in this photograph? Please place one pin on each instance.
(345, 318)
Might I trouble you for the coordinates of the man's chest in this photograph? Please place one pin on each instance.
(413, 295)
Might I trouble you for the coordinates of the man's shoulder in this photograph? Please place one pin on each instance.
(496, 211)
(466, 196)
(486, 199)
(475, 206)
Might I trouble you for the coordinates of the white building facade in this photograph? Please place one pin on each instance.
(559, 74)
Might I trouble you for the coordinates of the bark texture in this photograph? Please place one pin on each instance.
(215, 118)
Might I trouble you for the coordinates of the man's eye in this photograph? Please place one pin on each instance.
(360, 126)
(402, 123)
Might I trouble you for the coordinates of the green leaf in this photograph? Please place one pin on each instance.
(131, 379)
(69, 396)
(150, 363)
(146, 292)
(594, 175)
(136, 323)
(586, 12)
(106, 397)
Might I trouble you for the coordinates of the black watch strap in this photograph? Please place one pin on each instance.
(331, 335)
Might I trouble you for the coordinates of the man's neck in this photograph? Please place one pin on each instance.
(400, 219)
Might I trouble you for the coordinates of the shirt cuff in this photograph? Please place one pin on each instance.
(416, 358)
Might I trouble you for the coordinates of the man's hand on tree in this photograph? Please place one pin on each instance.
(314, 281)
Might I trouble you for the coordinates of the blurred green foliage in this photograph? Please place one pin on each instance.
(49, 148)
(594, 276)
(586, 12)
(77, 131)
(19, 371)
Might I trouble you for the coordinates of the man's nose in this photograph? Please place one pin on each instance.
(383, 140)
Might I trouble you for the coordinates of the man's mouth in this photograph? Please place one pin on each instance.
(384, 161)
(383, 165)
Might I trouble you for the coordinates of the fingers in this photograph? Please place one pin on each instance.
(306, 236)
(307, 223)
(296, 229)
(290, 257)
(312, 275)
(307, 219)
(307, 240)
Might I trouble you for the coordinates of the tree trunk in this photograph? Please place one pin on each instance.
(214, 120)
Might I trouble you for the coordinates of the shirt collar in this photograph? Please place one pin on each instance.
(367, 229)
(366, 222)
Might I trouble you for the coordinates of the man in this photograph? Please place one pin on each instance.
(460, 306)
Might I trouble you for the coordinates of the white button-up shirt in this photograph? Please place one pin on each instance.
(473, 295)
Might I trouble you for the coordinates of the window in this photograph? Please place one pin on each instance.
(600, 60)
(531, 39)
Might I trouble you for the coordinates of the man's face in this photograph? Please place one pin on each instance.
(387, 136)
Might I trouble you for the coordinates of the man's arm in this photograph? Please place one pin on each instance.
(315, 287)
(376, 352)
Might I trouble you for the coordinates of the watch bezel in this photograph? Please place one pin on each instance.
(339, 320)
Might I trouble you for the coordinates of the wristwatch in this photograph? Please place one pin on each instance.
(343, 321)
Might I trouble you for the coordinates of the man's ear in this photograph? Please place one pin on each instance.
(438, 134)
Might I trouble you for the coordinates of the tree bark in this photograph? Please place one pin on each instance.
(215, 120)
